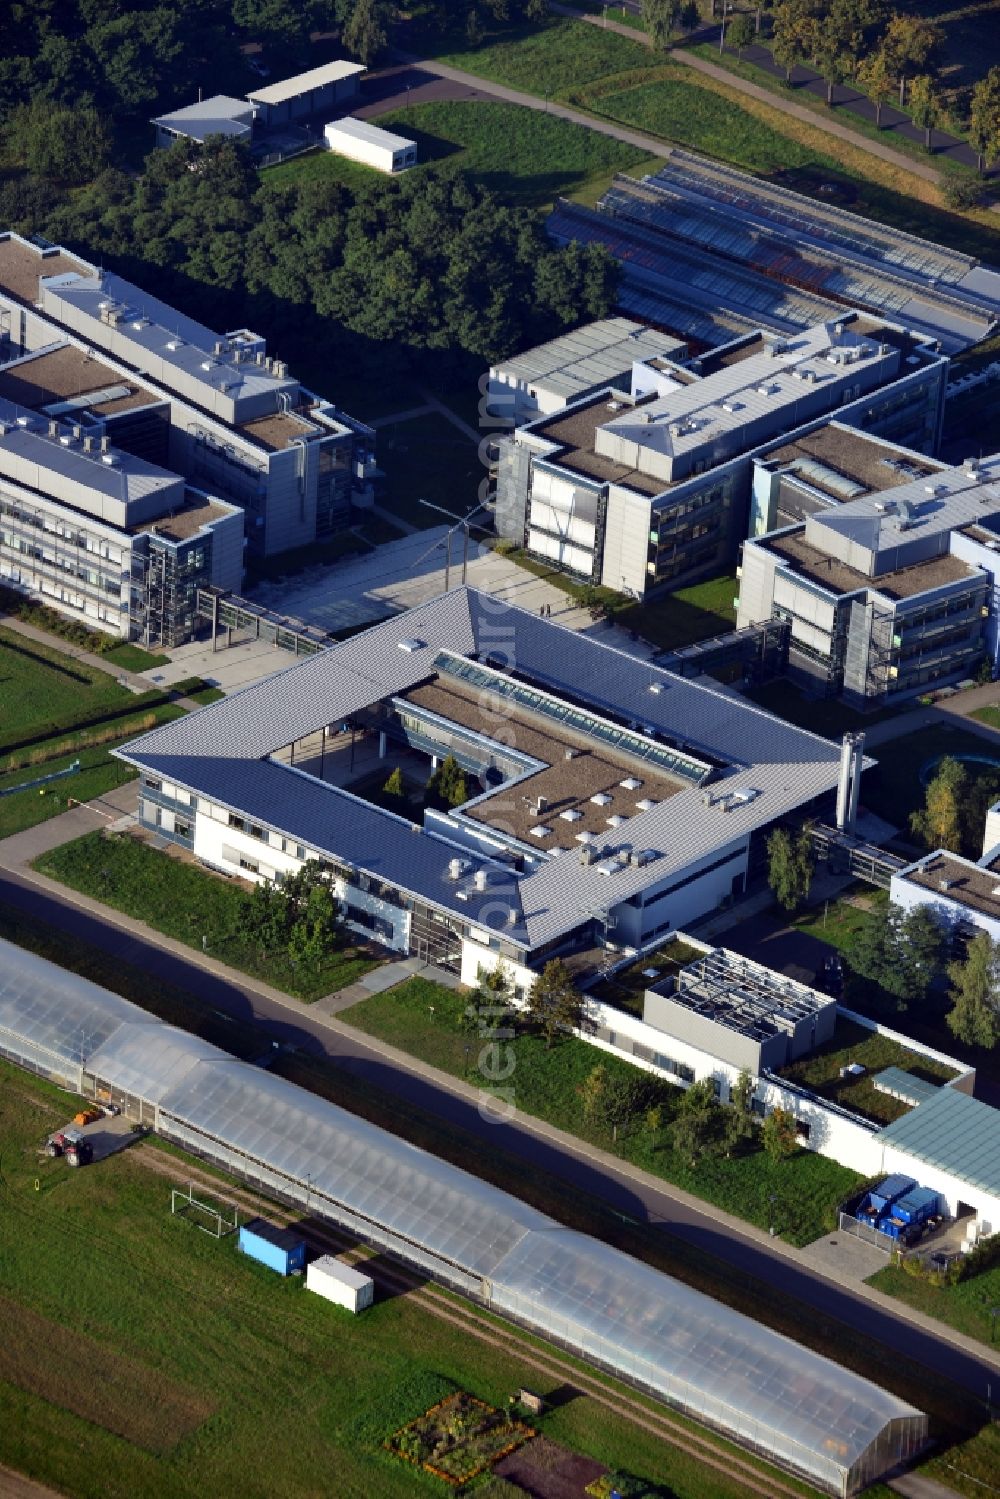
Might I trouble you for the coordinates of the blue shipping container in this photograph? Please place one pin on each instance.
(889, 1189)
(278, 1248)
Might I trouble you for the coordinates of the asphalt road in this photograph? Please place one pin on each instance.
(362, 1057)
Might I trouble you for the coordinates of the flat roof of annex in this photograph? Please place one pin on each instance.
(849, 454)
(68, 377)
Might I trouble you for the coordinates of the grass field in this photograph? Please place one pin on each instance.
(155, 1360)
(132, 657)
(547, 57)
(547, 1083)
(188, 903)
(427, 458)
(965, 1306)
(971, 1467)
(98, 774)
(43, 692)
(525, 157)
(989, 715)
(694, 613)
(894, 786)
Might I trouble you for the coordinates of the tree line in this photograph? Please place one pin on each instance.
(427, 261)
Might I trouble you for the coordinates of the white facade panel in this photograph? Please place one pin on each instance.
(626, 541)
(560, 551)
(564, 523)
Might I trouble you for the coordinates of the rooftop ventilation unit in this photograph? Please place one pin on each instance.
(656, 687)
(645, 804)
(601, 799)
(173, 344)
(411, 644)
(571, 814)
(630, 783)
(614, 406)
(541, 803)
(616, 821)
(456, 868)
(946, 884)
(540, 830)
(586, 839)
(569, 753)
(109, 459)
(481, 879)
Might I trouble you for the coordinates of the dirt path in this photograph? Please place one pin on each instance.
(17, 1486)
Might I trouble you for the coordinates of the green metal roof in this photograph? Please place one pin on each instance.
(955, 1133)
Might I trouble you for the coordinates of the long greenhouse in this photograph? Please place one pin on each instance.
(765, 1391)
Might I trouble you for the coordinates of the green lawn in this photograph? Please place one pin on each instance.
(98, 774)
(548, 57)
(525, 157)
(807, 1187)
(43, 692)
(694, 613)
(666, 101)
(965, 1306)
(187, 902)
(820, 1070)
(151, 1359)
(430, 459)
(989, 715)
(970, 1467)
(838, 922)
(132, 657)
(894, 787)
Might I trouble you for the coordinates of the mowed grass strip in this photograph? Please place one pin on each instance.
(71, 1370)
(427, 1021)
(544, 57)
(43, 692)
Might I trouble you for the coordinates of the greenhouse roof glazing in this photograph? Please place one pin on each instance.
(749, 1381)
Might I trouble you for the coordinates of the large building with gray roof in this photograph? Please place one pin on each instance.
(884, 563)
(646, 489)
(217, 408)
(606, 800)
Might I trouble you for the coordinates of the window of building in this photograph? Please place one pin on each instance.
(236, 822)
(250, 865)
(153, 785)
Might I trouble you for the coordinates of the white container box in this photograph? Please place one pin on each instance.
(360, 140)
(340, 1283)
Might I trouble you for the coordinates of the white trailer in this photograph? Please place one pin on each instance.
(362, 141)
(340, 1283)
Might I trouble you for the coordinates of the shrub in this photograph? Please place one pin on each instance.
(962, 192)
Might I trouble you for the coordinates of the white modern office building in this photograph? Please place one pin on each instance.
(608, 801)
(885, 563)
(647, 489)
(216, 408)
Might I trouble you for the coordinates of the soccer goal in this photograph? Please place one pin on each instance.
(212, 1217)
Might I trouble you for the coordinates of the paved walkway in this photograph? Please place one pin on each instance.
(13, 856)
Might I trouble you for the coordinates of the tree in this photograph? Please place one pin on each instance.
(659, 18)
(924, 106)
(939, 822)
(624, 1097)
(473, 30)
(975, 994)
(553, 1002)
(739, 1119)
(61, 144)
(394, 785)
(591, 1090)
(984, 117)
(447, 786)
(792, 35)
(790, 866)
(741, 33)
(876, 77)
(909, 44)
(778, 1134)
(366, 32)
(697, 1128)
(922, 944)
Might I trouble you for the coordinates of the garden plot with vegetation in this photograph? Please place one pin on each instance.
(459, 1438)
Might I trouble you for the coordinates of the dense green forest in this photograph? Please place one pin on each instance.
(383, 271)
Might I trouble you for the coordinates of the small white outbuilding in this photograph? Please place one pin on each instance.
(361, 141)
(340, 1283)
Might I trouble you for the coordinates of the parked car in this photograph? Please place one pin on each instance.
(110, 1110)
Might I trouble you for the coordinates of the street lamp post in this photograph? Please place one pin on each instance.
(772, 1199)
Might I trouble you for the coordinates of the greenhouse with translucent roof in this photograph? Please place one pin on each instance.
(797, 1408)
